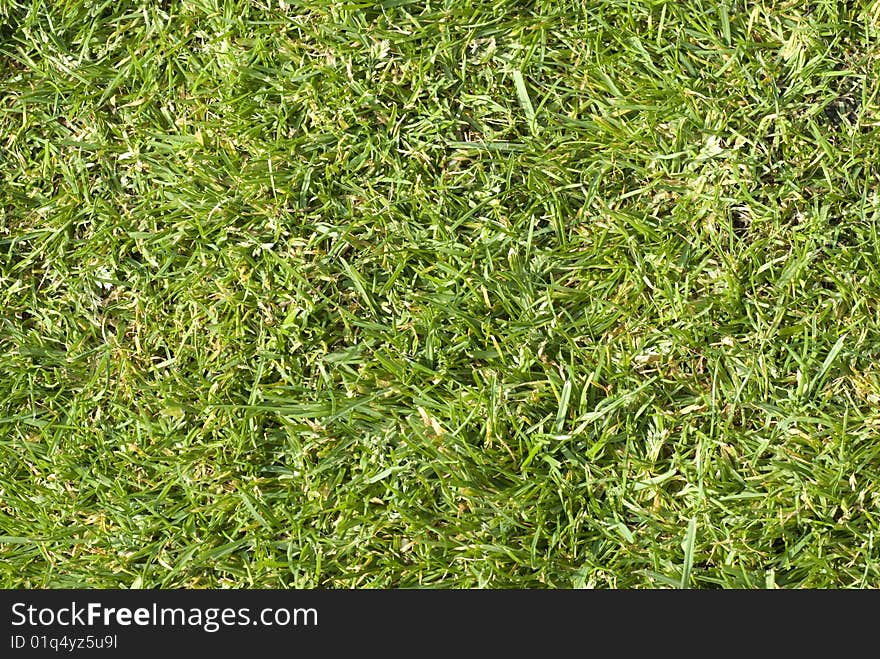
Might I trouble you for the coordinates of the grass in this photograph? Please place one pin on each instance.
(558, 293)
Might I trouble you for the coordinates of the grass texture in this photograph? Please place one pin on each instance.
(497, 293)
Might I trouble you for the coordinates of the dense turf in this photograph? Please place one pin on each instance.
(487, 293)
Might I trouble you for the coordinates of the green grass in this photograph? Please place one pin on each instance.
(496, 293)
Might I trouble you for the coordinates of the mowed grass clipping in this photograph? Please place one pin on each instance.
(495, 293)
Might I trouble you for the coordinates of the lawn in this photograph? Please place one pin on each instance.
(443, 294)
